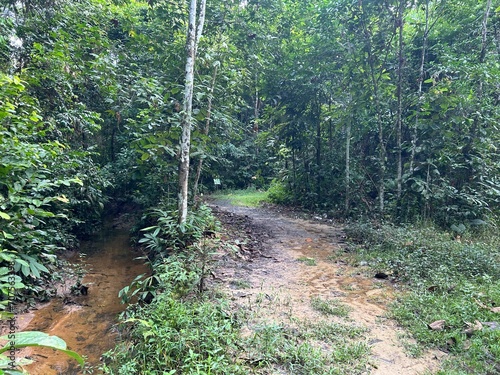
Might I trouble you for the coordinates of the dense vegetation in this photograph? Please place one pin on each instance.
(385, 109)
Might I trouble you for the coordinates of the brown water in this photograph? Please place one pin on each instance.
(86, 323)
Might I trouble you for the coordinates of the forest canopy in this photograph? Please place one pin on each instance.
(379, 108)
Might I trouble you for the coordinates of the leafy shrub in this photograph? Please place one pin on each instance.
(177, 274)
(43, 200)
(177, 257)
(174, 336)
(278, 193)
(167, 235)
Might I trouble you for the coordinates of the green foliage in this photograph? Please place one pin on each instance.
(170, 336)
(30, 339)
(307, 261)
(450, 277)
(278, 193)
(426, 256)
(179, 254)
(330, 307)
(167, 235)
(282, 347)
(474, 350)
(50, 188)
(176, 274)
(335, 81)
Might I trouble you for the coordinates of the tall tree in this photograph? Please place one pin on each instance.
(194, 33)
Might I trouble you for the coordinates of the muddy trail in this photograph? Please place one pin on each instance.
(285, 262)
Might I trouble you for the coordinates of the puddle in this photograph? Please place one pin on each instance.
(86, 323)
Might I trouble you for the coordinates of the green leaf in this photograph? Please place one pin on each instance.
(5, 216)
(5, 315)
(62, 198)
(35, 338)
(7, 235)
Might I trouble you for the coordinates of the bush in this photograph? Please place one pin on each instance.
(175, 336)
(278, 193)
(166, 235)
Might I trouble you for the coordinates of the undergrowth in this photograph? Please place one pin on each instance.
(174, 329)
(179, 327)
(445, 277)
(174, 336)
(310, 348)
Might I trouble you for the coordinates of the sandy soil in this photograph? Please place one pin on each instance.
(273, 263)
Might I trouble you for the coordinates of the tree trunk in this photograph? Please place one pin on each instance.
(193, 35)
(425, 39)
(348, 164)
(206, 128)
(484, 32)
(317, 117)
(380, 125)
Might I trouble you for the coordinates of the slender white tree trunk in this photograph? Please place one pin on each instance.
(195, 30)
(348, 164)
(206, 129)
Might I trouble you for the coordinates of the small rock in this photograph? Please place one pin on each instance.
(492, 325)
(438, 325)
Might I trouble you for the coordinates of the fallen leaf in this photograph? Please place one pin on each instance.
(473, 327)
(492, 309)
(438, 325)
(481, 304)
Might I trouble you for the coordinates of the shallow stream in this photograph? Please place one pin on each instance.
(87, 322)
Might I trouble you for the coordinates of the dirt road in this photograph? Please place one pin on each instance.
(286, 261)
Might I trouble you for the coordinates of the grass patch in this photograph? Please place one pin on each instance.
(241, 284)
(330, 307)
(334, 333)
(319, 348)
(307, 261)
(450, 279)
(246, 198)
